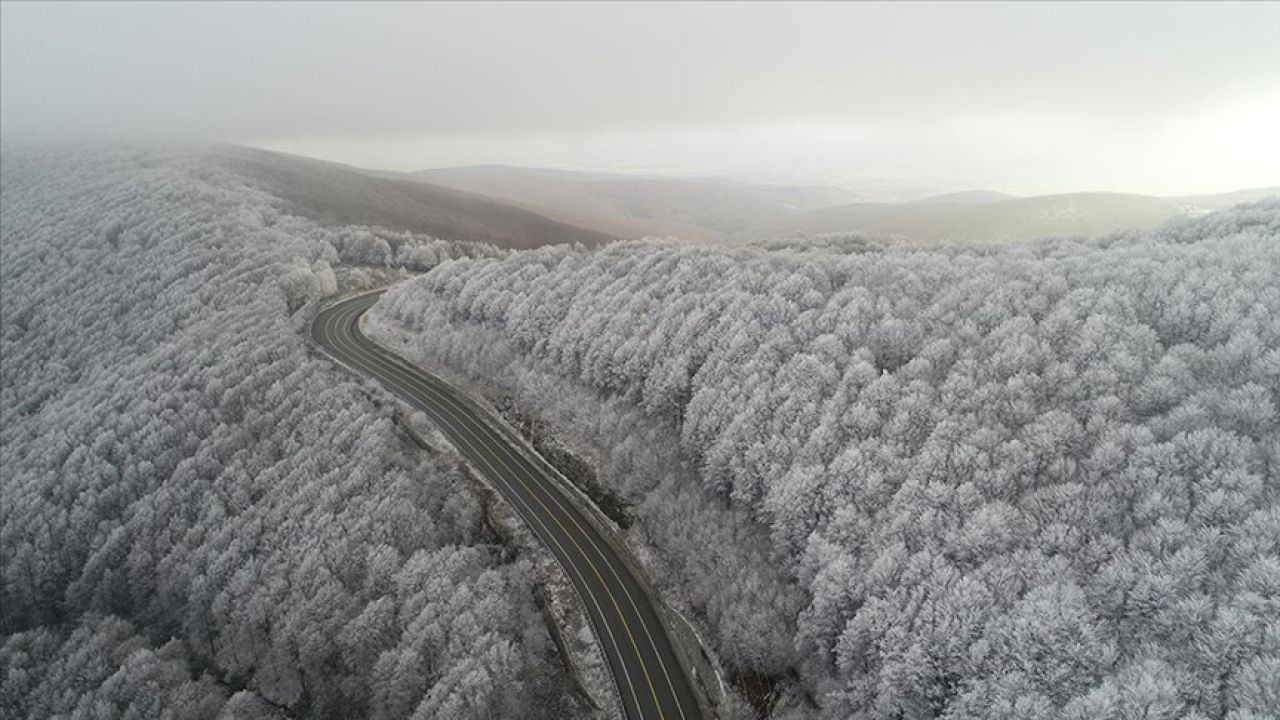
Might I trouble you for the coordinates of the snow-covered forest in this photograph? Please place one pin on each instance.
(997, 481)
(201, 518)
(1018, 481)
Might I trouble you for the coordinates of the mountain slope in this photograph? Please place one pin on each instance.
(1026, 480)
(200, 519)
(338, 195)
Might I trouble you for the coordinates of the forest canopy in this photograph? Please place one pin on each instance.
(980, 481)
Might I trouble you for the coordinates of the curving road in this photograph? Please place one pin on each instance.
(651, 680)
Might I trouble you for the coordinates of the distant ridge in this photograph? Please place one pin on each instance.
(965, 197)
(639, 205)
(486, 169)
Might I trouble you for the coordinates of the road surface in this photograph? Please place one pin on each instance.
(650, 678)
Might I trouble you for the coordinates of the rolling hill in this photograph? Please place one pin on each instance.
(634, 206)
(516, 207)
(1199, 204)
(1009, 219)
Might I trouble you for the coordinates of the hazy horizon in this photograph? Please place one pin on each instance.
(898, 100)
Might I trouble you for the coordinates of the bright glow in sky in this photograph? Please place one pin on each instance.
(1163, 98)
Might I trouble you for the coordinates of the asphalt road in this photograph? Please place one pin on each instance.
(651, 681)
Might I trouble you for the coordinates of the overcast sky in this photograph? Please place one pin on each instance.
(1148, 97)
